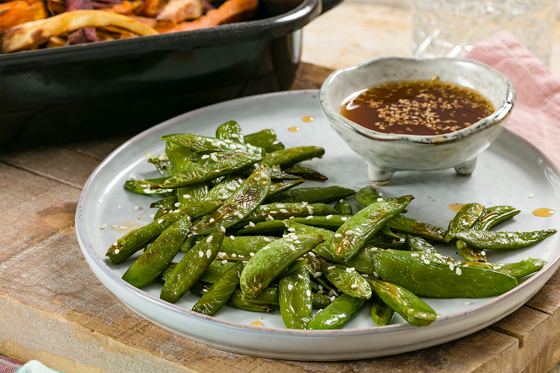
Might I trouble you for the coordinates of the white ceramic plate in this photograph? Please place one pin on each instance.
(507, 173)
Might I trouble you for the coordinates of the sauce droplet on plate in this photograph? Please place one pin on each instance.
(293, 129)
(544, 212)
(257, 323)
(308, 119)
(455, 207)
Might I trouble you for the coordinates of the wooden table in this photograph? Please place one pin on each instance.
(53, 308)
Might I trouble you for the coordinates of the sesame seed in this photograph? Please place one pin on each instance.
(291, 229)
(467, 303)
(349, 233)
(312, 254)
(379, 199)
(178, 204)
(365, 275)
(240, 215)
(114, 226)
(292, 247)
(234, 135)
(227, 141)
(283, 211)
(375, 274)
(222, 229)
(136, 208)
(344, 218)
(341, 200)
(160, 221)
(333, 298)
(194, 233)
(309, 217)
(209, 239)
(252, 254)
(330, 268)
(458, 271)
(209, 253)
(201, 254)
(104, 226)
(280, 206)
(317, 274)
(483, 252)
(329, 217)
(152, 215)
(304, 204)
(426, 261)
(232, 237)
(224, 261)
(350, 270)
(266, 248)
(290, 287)
(518, 240)
(273, 212)
(205, 156)
(115, 243)
(451, 266)
(291, 217)
(354, 286)
(234, 255)
(186, 196)
(123, 227)
(117, 251)
(531, 195)
(266, 239)
(337, 235)
(268, 218)
(297, 241)
(211, 220)
(251, 224)
(308, 292)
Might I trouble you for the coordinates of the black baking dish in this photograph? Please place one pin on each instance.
(91, 90)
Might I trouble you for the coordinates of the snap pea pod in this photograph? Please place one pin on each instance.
(415, 311)
(276, 188)
(160, 254)
(230, 131)
(384, 242)
(306, 173)
(179, 158)
(220, 292)
(494, 215)
(438, 280)
(276, 145)
(160, 213)
(218, 164)
(368, 195)
(295, 299)
(262, 139)
(312, 195)
(225, 188)
(346, 279)
(273, 259)
(138, 238)
(405, 224)
(485, 240)
(290, 156)
(168, 203)
(192, 193)
(241, 203)
(270, 297)
(361, 261)
(144, 186)
(337, 313)
(416, 243)
(343, 207)
(464, 219)
(236, 300)
(161, 162)
(277, 226)
(190, 268)
(278, 211)
(381, 313)
(244, 245)
(190, 242)
(215, 270)
(517, 270)
(357, 230)
(197, 143)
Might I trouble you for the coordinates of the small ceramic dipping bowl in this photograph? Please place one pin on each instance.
(387, 153)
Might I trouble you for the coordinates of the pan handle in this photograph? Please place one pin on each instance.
(329, 4)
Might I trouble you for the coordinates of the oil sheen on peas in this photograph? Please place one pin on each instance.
(416, 107)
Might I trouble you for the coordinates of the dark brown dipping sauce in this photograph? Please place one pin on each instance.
(416, 107)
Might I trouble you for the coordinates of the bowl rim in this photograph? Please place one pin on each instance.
(493, 119)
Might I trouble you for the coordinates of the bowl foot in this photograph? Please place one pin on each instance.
(379, 176)
(466, 168)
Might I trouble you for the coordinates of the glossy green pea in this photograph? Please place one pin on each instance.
(288, 157)
(230, 131)
(381, 313)
(312, 195)
(295, 298)
(343, 207)
(160, 254)
(438, 280)
(416, 243)
(337, 314)
(361, 261)
(220, 292)
(415, 311)
(464, 219)
(485, 240)
(408, 225)
(368, 195)
(237, 301)
(191, 267)
(273, 259)
(197, 143)
(494, 215)
(138, 238)
(144, 186)
(282, 211)
(357, 230)
(225, 188)
(262, 139)
(276, 145)
(306, 173)
(239, 205)
(517, 270)
(347, 280)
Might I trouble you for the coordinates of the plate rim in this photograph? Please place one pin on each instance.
(88, 250)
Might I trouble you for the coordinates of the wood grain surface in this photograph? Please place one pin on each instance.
(53, 308)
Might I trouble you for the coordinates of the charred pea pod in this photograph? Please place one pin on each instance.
(493, 216)
(312, 195)
(192, 193)
(230, 132)
(217, 164)
(381, 313)
(262, 139)
(278, 210)
(144, 186)
(306, 173)
(416, 243)
(138, 238)
(197, 143)
(517, 270)
(361, 261)
(408, 225)
(241, 203)
(160, 254)
(337, 313)
(220, 292)
(343, 207)
(464, 220)
(357, 230)
(438, 280)
(368, 195)
(346, 279)
(289, 157)
(225, 188)
(485, 240)
(245, 246)
(273, 259)
(295, 298)
(190, 268)
(415, 311)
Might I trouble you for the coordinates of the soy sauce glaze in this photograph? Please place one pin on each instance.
(416, 107)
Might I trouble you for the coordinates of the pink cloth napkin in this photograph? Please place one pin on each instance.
(536, 114)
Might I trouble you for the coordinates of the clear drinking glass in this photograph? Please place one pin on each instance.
(451, 27)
